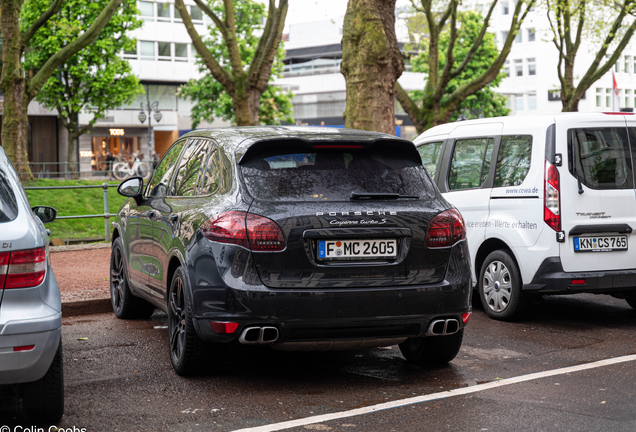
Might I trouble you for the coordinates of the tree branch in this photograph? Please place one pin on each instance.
(476, 44)
(260, 69)
(230, 39)
(220, 74)
(409, 105)
(209, 12)
(28, 34)
(450, 58)
(35, 84)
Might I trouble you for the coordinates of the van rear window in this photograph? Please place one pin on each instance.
(8, 203)
(600, 157)
(302, 175)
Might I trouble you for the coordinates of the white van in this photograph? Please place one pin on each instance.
(549, 203)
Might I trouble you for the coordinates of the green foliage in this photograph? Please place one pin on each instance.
(212, 99)
(484, 102)
(95, 79)
(70, 202)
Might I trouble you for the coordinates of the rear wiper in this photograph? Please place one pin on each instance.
(379, 195)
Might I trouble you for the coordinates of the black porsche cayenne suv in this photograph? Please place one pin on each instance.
(301, 238)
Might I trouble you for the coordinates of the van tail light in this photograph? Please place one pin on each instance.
(251, 231)
(552, 197)
(445, 229)
(22, 269)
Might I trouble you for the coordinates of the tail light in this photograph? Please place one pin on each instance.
(251, 231)
(22, 269)
(445, 229)
(551, 197)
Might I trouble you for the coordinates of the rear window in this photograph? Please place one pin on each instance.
(332, 175)
(8, 203)
(600, 157)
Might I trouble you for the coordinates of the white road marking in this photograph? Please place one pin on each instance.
(435, 396)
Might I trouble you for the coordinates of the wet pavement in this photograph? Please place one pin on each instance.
(120, 379)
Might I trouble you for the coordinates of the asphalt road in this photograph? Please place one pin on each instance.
(120, 379)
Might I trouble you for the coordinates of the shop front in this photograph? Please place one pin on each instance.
(114, 144)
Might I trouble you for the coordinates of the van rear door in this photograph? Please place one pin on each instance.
(598, 223)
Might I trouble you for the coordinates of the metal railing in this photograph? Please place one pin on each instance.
(51, 169)
(107, 214)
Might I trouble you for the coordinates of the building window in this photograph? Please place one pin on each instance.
(617, 67)
(504, 8)
(147, 50)
(628, 62)
(519, 67)
(608, 98)
(599, 98)
(519, 103)
(518, 38)
(504, 36)
(163, 11)
(181, 52)
(531, 35)
(628, 98)
(164, 51)
(507, 68)
(131, 53)
(196, 14)
(532, 102)
(146, 10)
(532, 66)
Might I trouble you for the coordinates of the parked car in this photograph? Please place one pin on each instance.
(549, 203)
(300, 238)
(30, 305)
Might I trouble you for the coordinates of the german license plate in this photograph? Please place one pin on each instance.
(600, 244)
(341, 249)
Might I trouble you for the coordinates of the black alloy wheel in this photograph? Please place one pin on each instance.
(125, 304)
(187, 350)
(432, 350)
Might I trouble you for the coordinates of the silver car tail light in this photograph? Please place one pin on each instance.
(26, 268)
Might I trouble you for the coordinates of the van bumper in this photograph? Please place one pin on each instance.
(550, 278)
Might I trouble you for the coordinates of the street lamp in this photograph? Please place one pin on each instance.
(142, 118)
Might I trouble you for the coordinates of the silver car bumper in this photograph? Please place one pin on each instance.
(29, 316)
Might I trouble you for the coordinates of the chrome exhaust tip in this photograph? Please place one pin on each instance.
(259, 335)
(443, 327)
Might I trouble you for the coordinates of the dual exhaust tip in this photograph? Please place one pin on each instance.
(259, 335)
(443, 327)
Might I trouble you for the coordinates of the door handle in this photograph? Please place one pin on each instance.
(174, 218)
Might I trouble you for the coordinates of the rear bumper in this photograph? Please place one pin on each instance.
(550, 278)
(337, 314)
(27, 366)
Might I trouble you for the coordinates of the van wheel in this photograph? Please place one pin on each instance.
(631, 301)
(500, 287)
(432, 350)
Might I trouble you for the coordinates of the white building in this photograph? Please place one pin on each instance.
(533, 85)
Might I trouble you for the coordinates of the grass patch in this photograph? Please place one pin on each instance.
(71, 202)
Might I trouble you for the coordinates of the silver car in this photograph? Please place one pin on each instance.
(30, 304)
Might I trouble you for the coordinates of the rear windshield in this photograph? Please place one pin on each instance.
(8, 203)
(601, 157)
(332, 175)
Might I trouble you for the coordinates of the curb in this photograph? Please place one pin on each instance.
(79, 247)
(86, 307)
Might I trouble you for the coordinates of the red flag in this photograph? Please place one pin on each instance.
(616, 103)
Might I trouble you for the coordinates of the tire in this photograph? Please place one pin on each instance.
(500, 287)
(187, 351)
(432, 350)
(120, 170)
(142, 170)
(43, 400)
(125, 304)
(631, 301)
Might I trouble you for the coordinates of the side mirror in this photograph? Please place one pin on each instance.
(45, 213)
(131, 188)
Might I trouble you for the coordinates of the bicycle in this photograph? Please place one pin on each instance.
(123, 170)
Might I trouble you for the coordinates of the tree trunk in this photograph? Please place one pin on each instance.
(71, 153)
(246, 106)
(15, 122)
(371, 64)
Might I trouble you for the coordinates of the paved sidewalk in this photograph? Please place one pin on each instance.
(82, 273)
